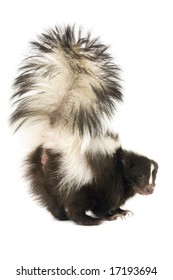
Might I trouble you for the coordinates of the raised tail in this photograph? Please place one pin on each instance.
(68, 81)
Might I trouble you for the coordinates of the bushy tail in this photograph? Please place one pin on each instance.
(68, 80)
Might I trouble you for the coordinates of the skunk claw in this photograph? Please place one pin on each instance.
(123, 214)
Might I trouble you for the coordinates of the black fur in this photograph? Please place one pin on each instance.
(116, 179)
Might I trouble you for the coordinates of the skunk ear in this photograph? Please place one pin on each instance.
(128, 160)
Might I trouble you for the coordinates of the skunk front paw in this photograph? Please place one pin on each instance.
(118, 213)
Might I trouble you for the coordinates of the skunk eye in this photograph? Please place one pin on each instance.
(140, 175)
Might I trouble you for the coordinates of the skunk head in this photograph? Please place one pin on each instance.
(139, 172)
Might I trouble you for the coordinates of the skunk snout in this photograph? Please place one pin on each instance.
(149, 189)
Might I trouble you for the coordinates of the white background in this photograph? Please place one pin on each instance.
(140, 34)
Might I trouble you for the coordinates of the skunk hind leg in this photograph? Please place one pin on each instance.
(58, 212)
(42, 164)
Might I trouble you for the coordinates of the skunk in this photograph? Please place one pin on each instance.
(70, 85)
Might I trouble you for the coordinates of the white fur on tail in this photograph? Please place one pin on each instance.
(69, 85)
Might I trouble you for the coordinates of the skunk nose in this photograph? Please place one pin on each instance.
(149, 189)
